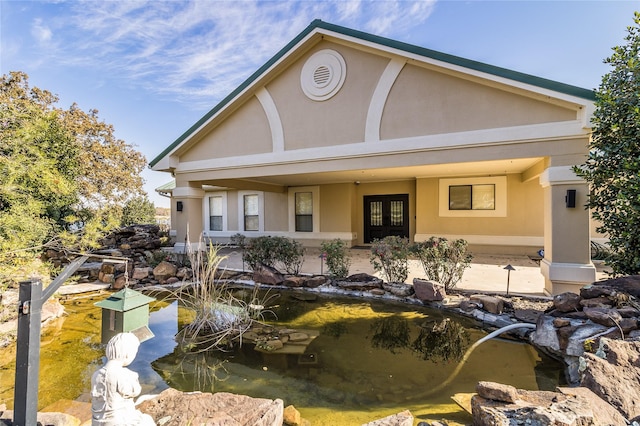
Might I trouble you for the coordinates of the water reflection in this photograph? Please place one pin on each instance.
(390, 333)
(437, 341)
(446, 340)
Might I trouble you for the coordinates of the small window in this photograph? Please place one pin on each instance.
(304, 212)
(472, 197)
(251, 213)
(215, 213)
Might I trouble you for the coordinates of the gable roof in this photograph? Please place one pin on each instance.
(317, 24)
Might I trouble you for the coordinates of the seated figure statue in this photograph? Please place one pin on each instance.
(113, 387)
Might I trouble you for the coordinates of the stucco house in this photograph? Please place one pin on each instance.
(344, 134)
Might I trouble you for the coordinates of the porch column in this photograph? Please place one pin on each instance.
(567, 252)
(187, 209)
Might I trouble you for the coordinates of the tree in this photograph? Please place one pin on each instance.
(138, 210)
(613, 165)
(60, 170)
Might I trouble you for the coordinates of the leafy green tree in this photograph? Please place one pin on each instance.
(613, 165)
(63, 174)
(138, 210)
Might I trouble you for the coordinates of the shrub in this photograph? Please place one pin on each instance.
(337, 257)
(390, 255)
(443, 261)
(281, 253)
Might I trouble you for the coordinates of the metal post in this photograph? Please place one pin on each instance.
(25, 398)
(32, 298)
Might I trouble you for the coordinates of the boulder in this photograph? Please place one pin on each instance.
(629, 284)
(535, 408)
(221, 408)
(141, 273)
(120, 282)
(567, 302)
(616, 376)
(164, 271)
(398, 289)
(48, 419)
(604, 316)
(490, 304)
(359, 282)
(316, 281)
(428, 291)
(292, 416)
(603, 412)
(497, 391)
(264, 274)
(404, 418)
(293, 281)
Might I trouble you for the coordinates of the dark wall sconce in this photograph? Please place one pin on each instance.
(179, 206)
(570, 198)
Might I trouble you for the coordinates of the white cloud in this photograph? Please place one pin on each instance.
(41, 32)
(199, 51)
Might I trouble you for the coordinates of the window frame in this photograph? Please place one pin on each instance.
(241, 213)
(500, 197)
(207, 211)
(315, 202)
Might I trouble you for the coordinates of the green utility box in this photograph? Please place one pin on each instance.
(126, 311)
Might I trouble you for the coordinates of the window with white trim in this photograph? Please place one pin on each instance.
(215, 212)
(251, 211)
(304, 209)
(473, 197)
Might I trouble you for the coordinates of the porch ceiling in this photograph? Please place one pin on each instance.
(364, 175)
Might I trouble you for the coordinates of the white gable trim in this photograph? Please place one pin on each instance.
(273, 117)
(379, 99)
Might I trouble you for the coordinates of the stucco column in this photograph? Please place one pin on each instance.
(567, 252)
(186, 208)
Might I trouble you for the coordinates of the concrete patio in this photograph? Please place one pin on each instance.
(486, 273)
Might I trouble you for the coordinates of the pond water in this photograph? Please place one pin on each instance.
(370, 359)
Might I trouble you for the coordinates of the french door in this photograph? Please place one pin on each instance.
(386, 215)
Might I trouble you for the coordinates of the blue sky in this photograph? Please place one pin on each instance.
(153, 68)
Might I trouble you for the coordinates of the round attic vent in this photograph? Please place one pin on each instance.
(323, 74)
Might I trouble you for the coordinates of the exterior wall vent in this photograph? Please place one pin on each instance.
(323, 75)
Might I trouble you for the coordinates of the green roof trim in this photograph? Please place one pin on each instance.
(394, 44)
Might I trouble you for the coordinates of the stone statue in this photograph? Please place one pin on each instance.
(113, 387)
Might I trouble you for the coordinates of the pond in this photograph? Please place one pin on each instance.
(370, 359)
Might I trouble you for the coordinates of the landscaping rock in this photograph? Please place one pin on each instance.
(604, 316)
(490, 304)
(359, 282)
(221, 408)
(497, 391)
(603, 412)
(567, 302)
(141, 273)
(398, 289)
(404, 418)
(164, 271)
(293, 281)
(616, 377)
(428, 291)
(316, 281)
(44, 419)
(629, 284)
(264, 274)
(292, 416)
(535, 408)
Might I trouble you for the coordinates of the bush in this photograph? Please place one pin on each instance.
(281, 253)
(337, 257)
(390, 255)
(443, 261)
